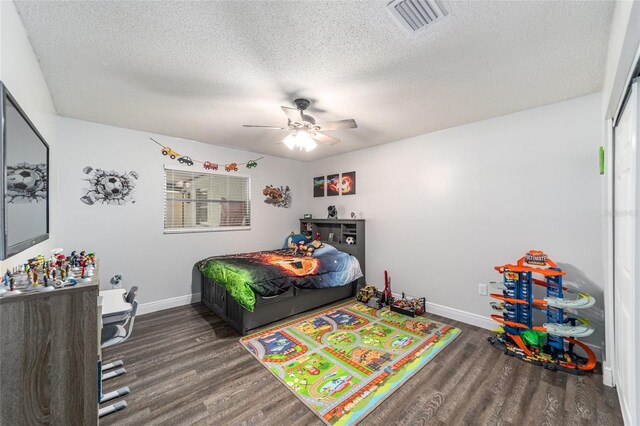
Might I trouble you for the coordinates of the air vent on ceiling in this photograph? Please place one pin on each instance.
(416, 15)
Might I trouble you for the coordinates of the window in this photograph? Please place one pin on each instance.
(202, 201)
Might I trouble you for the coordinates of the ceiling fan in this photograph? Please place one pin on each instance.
(305, 131)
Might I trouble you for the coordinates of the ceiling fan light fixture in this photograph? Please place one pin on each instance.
(306, 134)
(301, 140)
(290, 141)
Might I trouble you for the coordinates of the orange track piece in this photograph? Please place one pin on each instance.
(591, 357)
(498, 318)
(540, 303)
(520, 344)
(519, 268)
(508, 299)
(542, 283)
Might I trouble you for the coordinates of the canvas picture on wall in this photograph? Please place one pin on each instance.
(318, 186)
(333, 185)
(348, 183)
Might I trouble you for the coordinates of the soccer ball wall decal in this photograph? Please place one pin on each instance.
(109, 187)
(26, 182)
(350, 240)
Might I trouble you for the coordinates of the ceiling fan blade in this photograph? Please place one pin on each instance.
(340, 124)
(265, 127)
(329, 140)
(294, 115)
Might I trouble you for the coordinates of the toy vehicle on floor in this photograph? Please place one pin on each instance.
(210, 166)
(366, 293)
(185, 160)
(552, 343)
(409, 307)
(171, 153)
(231, 166)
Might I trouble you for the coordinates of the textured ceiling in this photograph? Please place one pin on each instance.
(199, 70)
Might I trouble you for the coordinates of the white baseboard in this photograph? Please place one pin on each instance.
(607, 375)
(462, 316)
(160, 305)
(489, 324)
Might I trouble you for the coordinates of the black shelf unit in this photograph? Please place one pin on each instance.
(341, 229)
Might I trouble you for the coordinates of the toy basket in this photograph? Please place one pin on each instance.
(409, 306)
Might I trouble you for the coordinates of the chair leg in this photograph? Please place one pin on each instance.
(111, 365)
(120, 405)
(115, 394)
(114, 373)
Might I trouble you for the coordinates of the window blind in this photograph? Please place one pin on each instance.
(203, 201)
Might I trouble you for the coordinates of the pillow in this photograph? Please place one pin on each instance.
(295, 239)
(324, 250)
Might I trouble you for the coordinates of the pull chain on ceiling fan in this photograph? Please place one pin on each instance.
(305, 131)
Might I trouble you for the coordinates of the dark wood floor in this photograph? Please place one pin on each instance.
(185, 366)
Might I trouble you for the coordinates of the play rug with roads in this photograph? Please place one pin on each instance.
(344, 361)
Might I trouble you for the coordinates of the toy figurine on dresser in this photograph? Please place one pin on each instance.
(40, 274)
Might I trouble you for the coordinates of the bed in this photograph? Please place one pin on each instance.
(250, 290)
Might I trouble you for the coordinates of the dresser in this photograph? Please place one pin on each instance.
(49, 357)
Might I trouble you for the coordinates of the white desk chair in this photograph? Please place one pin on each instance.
(114, 333)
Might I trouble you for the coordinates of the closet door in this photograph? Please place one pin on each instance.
(626, 252)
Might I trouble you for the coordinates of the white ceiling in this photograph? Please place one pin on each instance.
(199, 70)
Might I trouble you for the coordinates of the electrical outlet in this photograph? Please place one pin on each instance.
(482, 289)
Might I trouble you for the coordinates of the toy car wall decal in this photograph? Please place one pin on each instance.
(277, 197)
(185, 160)
(171, 153)
(208, 165)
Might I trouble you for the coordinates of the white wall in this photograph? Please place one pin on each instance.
(444, 208)
(20, 72)
(129, 239)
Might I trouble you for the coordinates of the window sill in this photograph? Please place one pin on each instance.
(200, 230)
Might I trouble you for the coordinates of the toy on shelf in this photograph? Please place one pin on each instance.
(552, 344)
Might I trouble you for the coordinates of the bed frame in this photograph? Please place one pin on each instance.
(268, 309)
(295, 300)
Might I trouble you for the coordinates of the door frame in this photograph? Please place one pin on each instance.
(617, 88)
